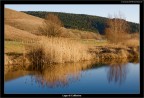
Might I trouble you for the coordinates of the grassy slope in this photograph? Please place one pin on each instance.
(22, 21)
(20, 26)
(18, 30)
(12, 33)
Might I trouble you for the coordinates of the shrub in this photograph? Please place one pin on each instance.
(52, 26)
(117, 29)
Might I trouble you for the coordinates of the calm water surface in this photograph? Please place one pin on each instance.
(83, 78)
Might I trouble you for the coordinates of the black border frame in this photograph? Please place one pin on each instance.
(72, 2)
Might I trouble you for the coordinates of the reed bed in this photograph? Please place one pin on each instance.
(57, 50)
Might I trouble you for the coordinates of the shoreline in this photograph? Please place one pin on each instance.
(102, 52)
(99, 53)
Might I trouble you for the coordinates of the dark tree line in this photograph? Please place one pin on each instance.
(82, 22)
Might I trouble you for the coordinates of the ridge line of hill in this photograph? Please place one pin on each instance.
(85, 22)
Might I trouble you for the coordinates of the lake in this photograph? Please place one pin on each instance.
(76, 78)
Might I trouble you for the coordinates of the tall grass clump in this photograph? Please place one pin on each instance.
(57, 50)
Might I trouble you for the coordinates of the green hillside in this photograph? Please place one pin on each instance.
(81, 21)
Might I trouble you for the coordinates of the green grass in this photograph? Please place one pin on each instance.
(14, 47)
(94, 42)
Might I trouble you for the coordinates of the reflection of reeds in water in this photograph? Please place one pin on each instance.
(60, 74)
(14, 75)
(117, 73)
(56, 75)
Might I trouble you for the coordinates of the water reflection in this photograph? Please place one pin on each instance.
(14, 75)
(118, 70)
(60, 74)
(63, 75)
(117, 73)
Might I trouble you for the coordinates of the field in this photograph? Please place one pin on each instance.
(24, 42)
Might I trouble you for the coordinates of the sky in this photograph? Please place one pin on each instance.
(129, 11)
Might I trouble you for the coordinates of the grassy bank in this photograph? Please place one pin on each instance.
(64, 50)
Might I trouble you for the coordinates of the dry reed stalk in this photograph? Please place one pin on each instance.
(58, 50)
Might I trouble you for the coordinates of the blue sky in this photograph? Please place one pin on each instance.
(130, 11)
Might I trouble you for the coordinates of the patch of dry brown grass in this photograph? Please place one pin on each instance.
(6, 59)
(132, 43)
(12, 14)
(25, 24)
(58, 50)
(22, 21)
(135, 35)
(85, 34)
(12, 33)
(66, 33)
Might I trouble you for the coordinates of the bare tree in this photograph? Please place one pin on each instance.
(51, 26)
(117, 28)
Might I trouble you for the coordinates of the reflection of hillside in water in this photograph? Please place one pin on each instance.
(60, 74)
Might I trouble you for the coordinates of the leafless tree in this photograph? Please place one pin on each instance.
(51, 26)
(117, 28)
